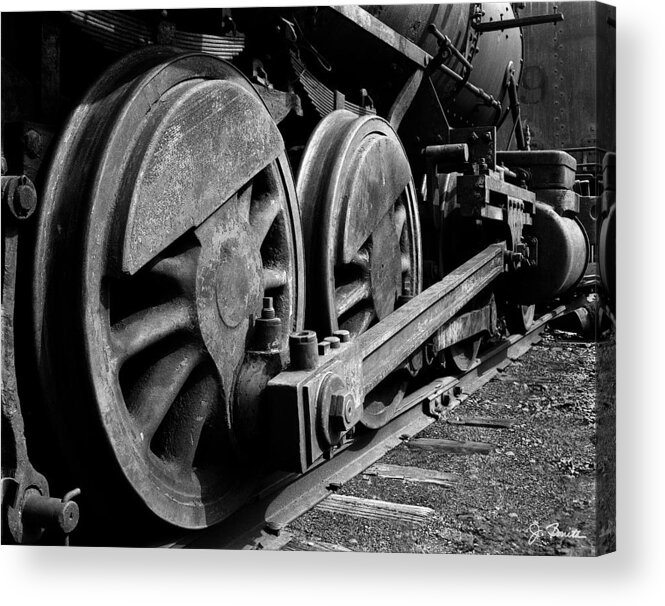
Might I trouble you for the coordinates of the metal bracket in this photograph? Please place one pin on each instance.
(27, 508)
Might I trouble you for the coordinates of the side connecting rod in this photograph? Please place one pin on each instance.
(311, 407)
(389, 343)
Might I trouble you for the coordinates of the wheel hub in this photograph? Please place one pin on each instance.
(385, 267)
(237, 284)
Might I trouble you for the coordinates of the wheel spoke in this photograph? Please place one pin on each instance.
(154, 395)
(179, 268)
(147, 327)
(348, 295)
(273, 277)
(243, 200)
(360, 321)
(186, 420)
(400, 218)
(361, 259)
(405, 262)
(262, 215)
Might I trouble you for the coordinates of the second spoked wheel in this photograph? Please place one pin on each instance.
(361, 234)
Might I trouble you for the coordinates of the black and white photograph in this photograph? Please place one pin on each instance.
(310, 278)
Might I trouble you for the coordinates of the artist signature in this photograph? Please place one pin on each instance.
(553, 532)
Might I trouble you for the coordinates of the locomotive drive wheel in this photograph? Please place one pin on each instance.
(361, 234)
(169, 213)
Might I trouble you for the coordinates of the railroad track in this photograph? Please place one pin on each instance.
(262, 524)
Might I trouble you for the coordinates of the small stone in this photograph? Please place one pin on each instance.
(512, 515)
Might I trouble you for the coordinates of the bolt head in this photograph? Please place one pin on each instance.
(334, 342)
(25, 199)
(304, 336)
(343, 335)
(342, 405)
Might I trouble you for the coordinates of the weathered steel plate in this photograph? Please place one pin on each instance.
(194, 140)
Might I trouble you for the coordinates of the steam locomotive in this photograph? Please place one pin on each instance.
(235, 241)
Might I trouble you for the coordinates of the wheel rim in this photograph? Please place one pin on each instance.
(520, 317)
(170, 278)
(361, 233)
(461, 356)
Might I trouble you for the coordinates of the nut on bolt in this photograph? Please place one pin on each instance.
(267, 328)
(303, 347)
(342, 405)
(343, 335)
(47, 512)
(20, 196)
(334, 342)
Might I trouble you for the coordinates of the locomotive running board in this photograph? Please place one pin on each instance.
(258, 525)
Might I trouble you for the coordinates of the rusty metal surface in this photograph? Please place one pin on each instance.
(465, 326)
(189, 146)
(364, 252)
(548, 169)
(18, 475)
(589, 213)
(361, 229)
(323, 98)
(489, 53)
(563, 252)
(375, 23)
(27, 509)
(364, 363)
(159, 356)
(120, 32)
(495, 26)
(490, 197)
(562, 200)
(568, 84)
(278, 507)
(405, 98)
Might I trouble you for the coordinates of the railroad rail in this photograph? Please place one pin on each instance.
(259, 525)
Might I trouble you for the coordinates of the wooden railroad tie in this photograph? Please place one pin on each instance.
(269, 542)
(451, 446)
(482, 422)
(312, 545)
(371, 509)
(411, 474)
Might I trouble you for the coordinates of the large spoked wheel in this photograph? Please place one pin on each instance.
(362, 234)
(169, 213)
